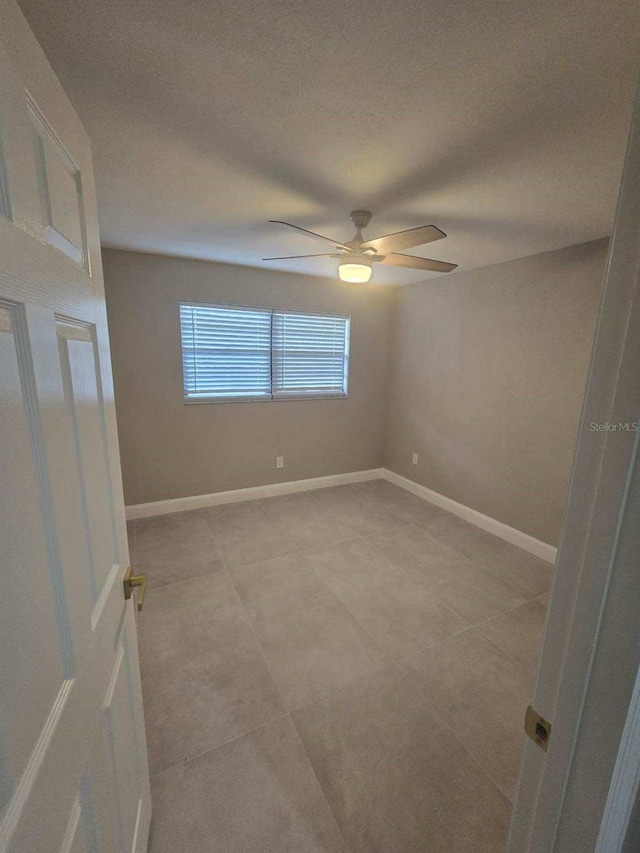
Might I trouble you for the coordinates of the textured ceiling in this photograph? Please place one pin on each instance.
(504, 123)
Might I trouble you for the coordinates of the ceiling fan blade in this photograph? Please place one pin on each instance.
(405, 239)
(418, 263)
(313, 234)
(321, 255)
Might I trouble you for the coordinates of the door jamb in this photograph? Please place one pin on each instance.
(585, 684)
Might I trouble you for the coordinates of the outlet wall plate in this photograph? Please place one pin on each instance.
(279, 461)
(414, 458)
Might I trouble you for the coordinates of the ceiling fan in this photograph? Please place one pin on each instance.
(357, 256)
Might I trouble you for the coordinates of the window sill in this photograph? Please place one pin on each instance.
(285, 398)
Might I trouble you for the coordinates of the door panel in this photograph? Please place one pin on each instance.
(59, 190)
(120, 722)
(73, 764)
(26, 597)
(80, 376)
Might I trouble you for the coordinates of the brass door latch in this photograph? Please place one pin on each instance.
(538, 729)
(130, 581)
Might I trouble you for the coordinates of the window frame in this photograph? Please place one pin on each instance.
(268, 398)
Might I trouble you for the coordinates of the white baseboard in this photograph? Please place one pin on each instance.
(250, 494)
(509, 534)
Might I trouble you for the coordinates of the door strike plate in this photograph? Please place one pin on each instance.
(538, 729)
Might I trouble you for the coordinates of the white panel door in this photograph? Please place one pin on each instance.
(73, 762)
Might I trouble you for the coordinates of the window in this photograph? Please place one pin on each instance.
(309, 355)
(235, 353)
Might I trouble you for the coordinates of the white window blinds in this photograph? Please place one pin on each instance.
(231, 353)
(226, 352)
(309, 354)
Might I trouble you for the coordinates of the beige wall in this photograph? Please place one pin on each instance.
(170, 449)
(487, 383)
(481, 373)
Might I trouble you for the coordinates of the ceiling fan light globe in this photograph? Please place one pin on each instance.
(355, 270)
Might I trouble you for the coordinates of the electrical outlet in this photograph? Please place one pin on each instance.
(279, 461)
(414, 458)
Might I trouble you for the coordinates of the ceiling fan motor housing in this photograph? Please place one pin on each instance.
(360, 218)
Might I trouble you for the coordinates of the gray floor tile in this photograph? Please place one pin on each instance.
(262, 541)
(204, 678)
(482, 694)
(369, 518)
(417, 756)
(402, 503)
(257, 794)
(468, 664)
(308, 522)
(470, 590)
(450, 529)
(545, 600)
(412, 508)
(318, 531)
(233, 519)
(272, 578)
(395, 776)
(337, 499)
(519, 633)
(528, 574)
(172, 548)
(312, 643)
(377, 489)
(490, 725)
(285, 508)
(399, 613)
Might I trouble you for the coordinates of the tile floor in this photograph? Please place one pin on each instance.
(338, 670)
